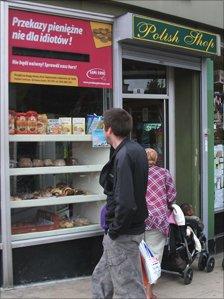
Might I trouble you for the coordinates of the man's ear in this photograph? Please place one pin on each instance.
(110, 131)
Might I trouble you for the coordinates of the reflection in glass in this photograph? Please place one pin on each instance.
(58, 101)
(143, 78)
(148, 124)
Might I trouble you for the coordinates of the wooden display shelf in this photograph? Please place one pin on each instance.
(51, 201)
(55, 169)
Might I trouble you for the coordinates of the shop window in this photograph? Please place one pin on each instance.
(143, 78)
(219, 135)
(60, 83)
(54, 185)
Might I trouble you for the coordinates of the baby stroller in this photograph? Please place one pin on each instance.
(182, 250)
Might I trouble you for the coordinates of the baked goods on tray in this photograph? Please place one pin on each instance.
(48, 162)
(38, 163)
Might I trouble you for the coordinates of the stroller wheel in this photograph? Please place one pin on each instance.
(188, 275)
(202, 262)
(210, 264)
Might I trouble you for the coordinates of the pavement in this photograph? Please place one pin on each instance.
(204, 285)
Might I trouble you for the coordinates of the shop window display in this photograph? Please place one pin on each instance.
(60, 83)
(54, 185)
(219, 132)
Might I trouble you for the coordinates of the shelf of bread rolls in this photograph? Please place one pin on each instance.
(55, 169)
(49, 201)
(49, 138)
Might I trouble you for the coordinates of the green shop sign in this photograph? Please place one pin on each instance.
(173, 35)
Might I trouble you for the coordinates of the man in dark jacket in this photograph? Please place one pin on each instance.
(124, 179)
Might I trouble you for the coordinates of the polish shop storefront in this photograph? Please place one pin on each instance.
(166, 83)
(60, 69)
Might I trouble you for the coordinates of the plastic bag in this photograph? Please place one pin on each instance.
(150, 262)
(103, 212)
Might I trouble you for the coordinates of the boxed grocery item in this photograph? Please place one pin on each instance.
(42, 122)
(53, 126)
(21, 123)
(66, 125)
(78, 125)
(12, 116)
(31, 122)
(94, 122)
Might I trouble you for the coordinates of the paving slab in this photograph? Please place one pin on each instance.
(204, 285)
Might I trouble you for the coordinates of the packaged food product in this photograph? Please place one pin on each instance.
(54, 126)
(66, 125)
(12, 116)
(31, 122)
(78, 125)
(94, 122)
(42, 122)
(89, 121)
(21, 123)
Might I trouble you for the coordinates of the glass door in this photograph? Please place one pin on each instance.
(145, 97)
(149, 124)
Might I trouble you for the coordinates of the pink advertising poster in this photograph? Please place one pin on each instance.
(55, 50)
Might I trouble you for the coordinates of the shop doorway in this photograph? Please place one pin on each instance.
(156, 100)
(145, 97)
(187, 133)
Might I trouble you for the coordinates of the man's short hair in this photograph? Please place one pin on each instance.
(119, 120)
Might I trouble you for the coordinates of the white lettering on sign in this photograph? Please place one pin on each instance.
(96, 73)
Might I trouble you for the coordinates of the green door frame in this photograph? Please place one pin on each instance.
(210, 120)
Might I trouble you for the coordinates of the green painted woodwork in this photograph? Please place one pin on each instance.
(171, 34)
(211, 186)
(196, 178)
(187, 89)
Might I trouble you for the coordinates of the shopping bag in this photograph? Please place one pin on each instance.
(144, 274)
(103, 212)
(151, 263)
